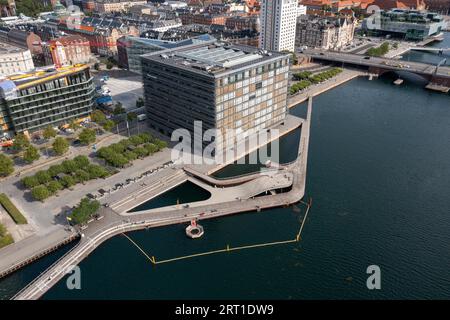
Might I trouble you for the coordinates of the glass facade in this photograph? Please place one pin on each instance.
(49, 101)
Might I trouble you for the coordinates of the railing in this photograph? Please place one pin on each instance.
(38, 277)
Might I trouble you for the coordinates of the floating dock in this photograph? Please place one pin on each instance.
(437, 87)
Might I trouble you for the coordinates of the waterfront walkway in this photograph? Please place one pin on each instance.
(113, 224)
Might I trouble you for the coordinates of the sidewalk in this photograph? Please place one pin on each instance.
(317, 89)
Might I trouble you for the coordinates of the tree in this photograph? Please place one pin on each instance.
(6, 165)
(31, 8)
(81, 161)
(40, 193)
(30, 182)
(31, 154)
(49, 132)
(82, 176)
(118, 108)
(60, 146)
(146, 137)
(87, 136)
(68, 181)
(151, 148)
(118, 160)
(140, 102)
(98, 116)
(54, 186)
(43, 176)
(96, 171)
(130, 155)
(55, 169)
(160, 144)
(108, 125)
(109, 65)
(21, 142)
(141, 152)
(69, 166)
(136, 140)
(84, 211)
(131, 116)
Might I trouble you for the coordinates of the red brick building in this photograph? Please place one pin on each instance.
(204, 18)
(67, 50)
(242, 23)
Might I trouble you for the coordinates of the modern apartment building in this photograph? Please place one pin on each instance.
(67, 50)
(324, 32)
(14, 60)
(278, 19)
(405, 24)
(130, 49)
(45, 97)
(225, 86)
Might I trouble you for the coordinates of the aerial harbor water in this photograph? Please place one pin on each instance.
(431, 57)
(378, 174)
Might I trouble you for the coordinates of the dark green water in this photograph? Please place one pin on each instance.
(379, 176)
(186, 192)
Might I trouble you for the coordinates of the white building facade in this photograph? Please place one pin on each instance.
(278, 21)
(301, 10)
(14, 60)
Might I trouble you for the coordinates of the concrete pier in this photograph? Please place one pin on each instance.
(114, 224)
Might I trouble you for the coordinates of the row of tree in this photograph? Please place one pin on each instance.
(309, 79)
(379, 51)
(137, 146)
(46, 183)
(303, 75)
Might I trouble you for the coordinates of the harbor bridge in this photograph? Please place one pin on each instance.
(434, 74)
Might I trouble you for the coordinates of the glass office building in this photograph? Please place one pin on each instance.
(35, 100)
(225, 86)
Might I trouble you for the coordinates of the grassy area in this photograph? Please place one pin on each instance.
(5, 237)
(12, 210)
(307, 78)
(380, 51)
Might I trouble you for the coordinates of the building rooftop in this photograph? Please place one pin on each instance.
(6, 48)
(168, 44)
(39, 75)
(213, 57)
